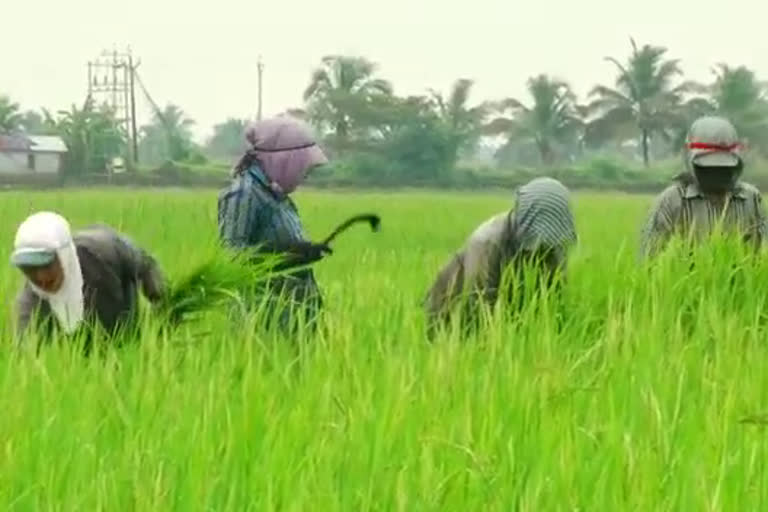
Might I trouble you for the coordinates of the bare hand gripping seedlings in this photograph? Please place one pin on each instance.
(300, 253)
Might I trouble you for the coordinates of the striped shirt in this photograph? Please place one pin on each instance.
(250, 213)
(682, 209)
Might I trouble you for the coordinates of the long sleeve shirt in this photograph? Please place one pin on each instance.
(682, 209)
(477, 267)
(113, 269)
(252, 214)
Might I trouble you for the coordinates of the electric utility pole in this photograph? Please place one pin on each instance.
(111, 81)
(260, 67)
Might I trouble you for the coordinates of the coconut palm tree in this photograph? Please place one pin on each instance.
(10, 116)
(228, 139)
(169, 134)
(645, 98)
(32, 122)
(338, 89)
(463, 121)
(738, 95)
(553, 118)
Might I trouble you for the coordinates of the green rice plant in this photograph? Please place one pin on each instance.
(649, 393)
(213, 283)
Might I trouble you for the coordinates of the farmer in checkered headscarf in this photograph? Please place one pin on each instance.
(538, 230)
(709, 192)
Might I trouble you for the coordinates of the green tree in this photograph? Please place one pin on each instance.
(688, 112)
(464, 122)
(645, 98)
(405, 140)
(298, 113)
(738, 95)
(552, 121)
(93, 137)
(228, 139)
(167, 137)
(33, 123)
(339, 90)
(10, 116)
(418, 142)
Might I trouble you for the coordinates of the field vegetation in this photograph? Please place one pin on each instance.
(650, 395)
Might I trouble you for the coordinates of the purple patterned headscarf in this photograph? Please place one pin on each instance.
(285, 150)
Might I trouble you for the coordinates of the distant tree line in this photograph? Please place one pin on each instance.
(373, 132)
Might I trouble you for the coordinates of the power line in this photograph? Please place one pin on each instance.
(167, 126)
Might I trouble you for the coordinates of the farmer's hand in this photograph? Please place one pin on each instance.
(317, 251)
(303, 253)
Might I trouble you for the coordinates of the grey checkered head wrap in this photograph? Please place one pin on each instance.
(543, 216)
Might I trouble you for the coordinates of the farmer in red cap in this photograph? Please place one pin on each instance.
(709, 192)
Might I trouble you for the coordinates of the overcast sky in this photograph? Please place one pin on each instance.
(203, 56)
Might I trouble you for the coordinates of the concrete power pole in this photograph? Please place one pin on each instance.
(260, 67)
(131, 84)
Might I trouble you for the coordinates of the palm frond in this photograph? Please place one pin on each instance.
(604, 93)
(624, 78)
(500, 125)
(511, 104)
(379, 85)
(318, 80)
(460, 93)
(692, 87)
(667, 71)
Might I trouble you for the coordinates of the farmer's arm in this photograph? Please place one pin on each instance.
(139, 263)
(247, 219)
(480, 268)
(27, 307)
(660, 224)
(293, 254)
(445, 289)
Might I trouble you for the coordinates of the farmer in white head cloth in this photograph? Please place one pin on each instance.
(71, 281)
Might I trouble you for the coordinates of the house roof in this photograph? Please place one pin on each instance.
(47, 144)
(32, 143)
(14, 143)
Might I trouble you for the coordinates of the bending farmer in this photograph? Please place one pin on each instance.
(91, 277)
(537, 231)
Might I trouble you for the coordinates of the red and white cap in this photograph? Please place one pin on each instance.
(713, 142)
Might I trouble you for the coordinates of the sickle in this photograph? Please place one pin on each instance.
(372, 219)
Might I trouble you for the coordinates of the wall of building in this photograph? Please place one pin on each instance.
(47, 163)
(11, 163)
(17, 163)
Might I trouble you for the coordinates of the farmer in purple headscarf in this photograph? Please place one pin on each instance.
(256, 210)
